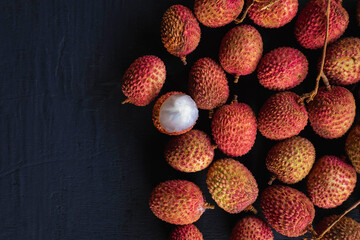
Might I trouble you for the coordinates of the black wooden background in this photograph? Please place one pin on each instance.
(74, 162)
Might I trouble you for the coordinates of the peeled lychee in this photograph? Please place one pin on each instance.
(234, 128)
(352, 147)
(289, 211)
(208, 85)
(190, 152)
(291, 160)
(272, 13)
(251, 227)
(310, 26)
(186, 232)
(180, 31)
(282, 116)
(177, 202)
(330, 182)
(175, 113)
(346, 229)
(240, 50)
(143, 80)
(332, 112)
(214, 13)
(342, 62)
(231, 185)
(282, 68)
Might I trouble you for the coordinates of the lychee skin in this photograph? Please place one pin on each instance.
(234, 129)
(231, 185)
(251, 227)
(180, 31)
(190, 152)
(347, 228)
(352, 147)
(342, 62)
(214, 13)
(208, 85)
(289, 211)
(143, 80)
(282, 68)
(330, 182)
(186, 232)
(282, 116)
(332, 112)
(177, 202)
(310, 26)
(240, 50)
(273, 14)
(291, 159)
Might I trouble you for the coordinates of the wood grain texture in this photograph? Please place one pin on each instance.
(74, 162)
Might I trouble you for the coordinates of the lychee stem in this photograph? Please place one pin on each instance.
(310, 96)
(209, 206)
(183, 59)
(311, 230)
(214, 146)
(235, 99)
(269, 5)
(211, 113)
(238, 21)
(236, 79)
(125, 101)
(251, 209)
(272, 179)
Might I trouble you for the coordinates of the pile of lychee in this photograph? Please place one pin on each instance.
(330, 111)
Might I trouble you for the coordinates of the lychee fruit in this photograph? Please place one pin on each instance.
(289, 211)
(330, 182)
(190, 152)
(310, 26)
(178, 202)
(282, 69)
(342, 62)
(208, 85)
(175, 113)
(143, 80)
(332, 112)
(180, 31)
(240, 50)
(352, 147)
(345, 229)
(234, 128)
(214, 13)
(186, 232)
(291, 160)
(232, 185)
(282, 116)
(273, 14)
(251, 227)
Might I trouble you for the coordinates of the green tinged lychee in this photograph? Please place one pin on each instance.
(282, 69)
(251, 228)
(143, 80)
(240, 50)
(330, 182)
(332, 112)
(310, 26)
(289, 211)
(342, 62)
(231, 185)
(282, 116)
(180, 31)
(190, 152)
(273, 13)
(234, 128)
(346, 229)
(214, 13)
(352, 147)
(291, 160)
(208, 85)
(186, 232)
(177, 202)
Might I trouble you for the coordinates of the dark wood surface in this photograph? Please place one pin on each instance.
(77, 164)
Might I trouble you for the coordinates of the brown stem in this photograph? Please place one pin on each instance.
(311, 230)
(235, 99)
(310, 96)
(236, 79)
(238, 21)
(272, 179)
(214, 146)
(269, 5)
(211, 113)
(183, 59)
(125, 101)
(209, 206)
(251, 209)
